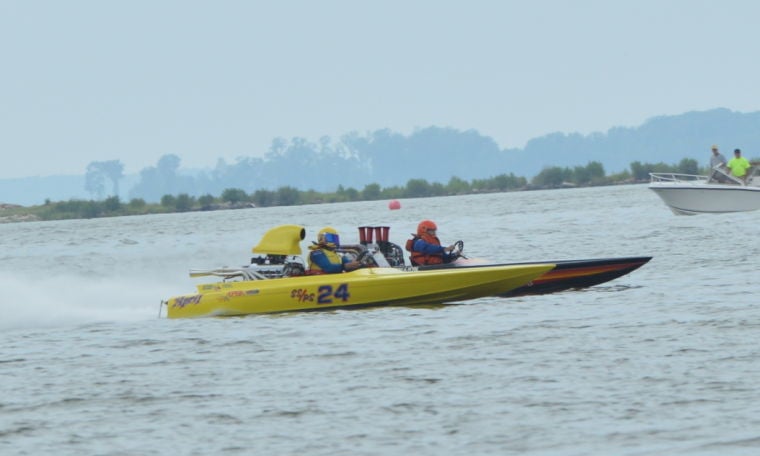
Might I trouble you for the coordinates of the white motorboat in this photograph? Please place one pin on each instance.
(689, 194)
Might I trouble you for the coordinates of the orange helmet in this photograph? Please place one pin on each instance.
(424, 226)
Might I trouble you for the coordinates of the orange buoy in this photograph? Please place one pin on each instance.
(393, 205)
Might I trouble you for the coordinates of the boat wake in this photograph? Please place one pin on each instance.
(62, 301)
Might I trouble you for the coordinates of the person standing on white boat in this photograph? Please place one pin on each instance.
(717, 163)
(738, 165)
(717, 158)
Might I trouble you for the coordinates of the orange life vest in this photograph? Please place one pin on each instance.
(419, 258)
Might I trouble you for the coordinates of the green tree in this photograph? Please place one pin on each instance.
(371, 192)
(112, 204)
(352, 194)
(551, 177)
(234, 195)
(688, 166)
(206, 201)
(437, 189)
(287, 196)
(137, 203)
(623, 176)
(417, 188)
(264, 198)
(640, 171)
(457, 186)
(393, 192)
(509, 182)
(596, 170)
(184, 202)
(340, 194)
(581, 175)
(169, 201)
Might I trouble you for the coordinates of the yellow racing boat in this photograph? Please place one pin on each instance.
(279, 283)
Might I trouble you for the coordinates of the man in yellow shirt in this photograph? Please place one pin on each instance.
(738, 165)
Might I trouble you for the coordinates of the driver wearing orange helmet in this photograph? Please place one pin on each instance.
(425, 246)
(324, 259)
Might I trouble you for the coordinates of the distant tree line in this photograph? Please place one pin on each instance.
(550, 177)
(668, 138)
(300, 167)
(387, 158)
(392, 159)
(593, 173)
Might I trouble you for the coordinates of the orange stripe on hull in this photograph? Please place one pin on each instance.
(562, 274)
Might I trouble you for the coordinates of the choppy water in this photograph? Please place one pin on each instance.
(662, 361)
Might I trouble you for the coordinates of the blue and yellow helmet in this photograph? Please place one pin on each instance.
(328, 236)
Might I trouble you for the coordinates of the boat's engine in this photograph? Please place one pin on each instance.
(274, 266)
(269, 259)
(392, 252)
(293, 269)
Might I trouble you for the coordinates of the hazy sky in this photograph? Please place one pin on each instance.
(84, 81)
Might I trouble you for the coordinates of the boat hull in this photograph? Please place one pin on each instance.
(566, 275)
(699, 198)
(576, 274)
(367, 287)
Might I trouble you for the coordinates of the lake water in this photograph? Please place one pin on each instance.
(662, 361)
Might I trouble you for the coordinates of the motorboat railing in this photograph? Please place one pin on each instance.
(718, 175)
(678, 178)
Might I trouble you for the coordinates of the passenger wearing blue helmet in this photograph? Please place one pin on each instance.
(323, 257)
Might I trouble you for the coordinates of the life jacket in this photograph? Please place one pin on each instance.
(331, 255)
(420, 258)
(410, 243)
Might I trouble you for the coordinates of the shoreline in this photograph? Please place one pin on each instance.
(23, 214)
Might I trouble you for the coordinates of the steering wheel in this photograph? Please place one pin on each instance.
(457, 251)
(365, 258)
